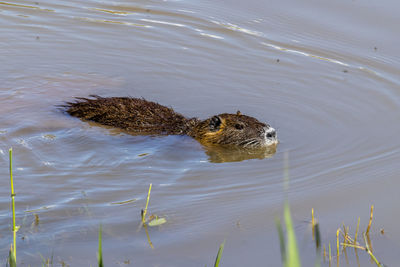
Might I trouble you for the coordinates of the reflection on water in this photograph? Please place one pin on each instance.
(215, 153)
(218, 154)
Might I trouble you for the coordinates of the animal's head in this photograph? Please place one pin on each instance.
(236, 129)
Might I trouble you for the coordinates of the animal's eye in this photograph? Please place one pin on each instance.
(215, 123)
(239, 126)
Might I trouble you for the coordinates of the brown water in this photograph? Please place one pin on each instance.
(325, 74)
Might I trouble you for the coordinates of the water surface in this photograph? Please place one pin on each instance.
(325, 75)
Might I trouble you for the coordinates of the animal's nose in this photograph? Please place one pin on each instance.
(271, 133)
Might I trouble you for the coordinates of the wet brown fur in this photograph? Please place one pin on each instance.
(139, 116)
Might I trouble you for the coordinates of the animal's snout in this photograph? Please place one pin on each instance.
(270, 133)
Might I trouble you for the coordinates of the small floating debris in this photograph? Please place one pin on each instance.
(26, 6)
(24, 143)
(36, 221)
(112, 22)
(155, 221)
(49, 136)
(123, 13)
(39, 209)
(124, 202)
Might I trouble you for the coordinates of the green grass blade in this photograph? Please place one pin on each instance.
(281, 239)
(15, 228)
(100, 252)
(219, 255)
(11, 260)
(292, 252)
(147, 203)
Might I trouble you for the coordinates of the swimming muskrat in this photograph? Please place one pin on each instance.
(141, 117)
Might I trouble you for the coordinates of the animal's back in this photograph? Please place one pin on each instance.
(134, 115)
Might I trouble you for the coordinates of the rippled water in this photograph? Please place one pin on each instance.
(325, 74)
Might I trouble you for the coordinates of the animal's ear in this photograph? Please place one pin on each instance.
(215, 123)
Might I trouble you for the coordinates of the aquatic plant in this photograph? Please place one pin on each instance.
(153, 220)
(100, 250)
(147, 204)
(47, 262)
(352, 242)
(348, 241)
(219, 255)
(12, 259)
(289, 251)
